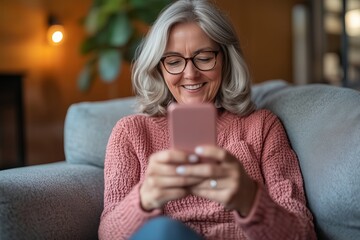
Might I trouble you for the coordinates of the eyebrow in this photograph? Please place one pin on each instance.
(194, 53)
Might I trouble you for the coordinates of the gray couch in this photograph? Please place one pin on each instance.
(64, 200)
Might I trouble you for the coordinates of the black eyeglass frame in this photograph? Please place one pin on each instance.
(216, 52)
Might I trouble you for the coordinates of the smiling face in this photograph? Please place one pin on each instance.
(192, 85)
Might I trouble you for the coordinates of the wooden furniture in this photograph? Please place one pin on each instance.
(12, 147)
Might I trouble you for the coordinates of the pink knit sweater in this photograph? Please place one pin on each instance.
(258, 141)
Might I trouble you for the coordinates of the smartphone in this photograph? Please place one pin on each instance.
(191, 125)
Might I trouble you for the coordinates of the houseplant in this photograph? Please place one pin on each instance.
(114, 29)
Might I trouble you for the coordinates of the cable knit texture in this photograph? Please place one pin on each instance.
(259, 142)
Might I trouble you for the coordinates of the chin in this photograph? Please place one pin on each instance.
(195, 101)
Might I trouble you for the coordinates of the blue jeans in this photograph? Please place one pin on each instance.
(165, 228)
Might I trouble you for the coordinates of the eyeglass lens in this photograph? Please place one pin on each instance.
(204, 61)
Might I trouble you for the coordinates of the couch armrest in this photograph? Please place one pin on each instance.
(51, 201)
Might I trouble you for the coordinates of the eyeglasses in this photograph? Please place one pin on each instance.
(204, 61)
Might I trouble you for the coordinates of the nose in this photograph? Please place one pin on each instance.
(190, 70)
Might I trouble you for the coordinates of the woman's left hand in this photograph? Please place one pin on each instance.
(225, 179)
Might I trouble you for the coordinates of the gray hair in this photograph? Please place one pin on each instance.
(149, 85)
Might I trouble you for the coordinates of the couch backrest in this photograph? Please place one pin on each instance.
(88, 126)
(323, 125)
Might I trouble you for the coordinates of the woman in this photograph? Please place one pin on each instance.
(253, 187)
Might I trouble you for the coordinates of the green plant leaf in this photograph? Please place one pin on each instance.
(98, 2)
(86, 77)
(109, 64)
(96, 20)
(139, 3)
(91, 20)
(158, 4)
(129, 53)
(148, 10)
(99, 15)
(95, 42)
(146, 15)
(113, 6)
(88, 45)
(121, 30)
(113, 36)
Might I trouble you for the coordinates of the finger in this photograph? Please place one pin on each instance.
(204, 170)
(173, 156)
(173, 182)
(213, 152)
(165, 169)
(218, 184)
(157, 169)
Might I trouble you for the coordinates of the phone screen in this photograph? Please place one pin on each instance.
(192, 125)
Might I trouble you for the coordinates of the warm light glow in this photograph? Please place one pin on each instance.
(353, 22)
(56, 34)
(57, 37)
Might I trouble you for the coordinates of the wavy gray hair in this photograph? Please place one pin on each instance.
(149, 85)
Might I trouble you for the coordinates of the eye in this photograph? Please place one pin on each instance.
(173, 61)
(204, 57)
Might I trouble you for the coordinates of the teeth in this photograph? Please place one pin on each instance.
(193, 87)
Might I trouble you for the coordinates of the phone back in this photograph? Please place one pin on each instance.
(192, 125)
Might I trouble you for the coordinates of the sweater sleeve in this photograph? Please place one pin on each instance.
(122, 214)
(279, 210)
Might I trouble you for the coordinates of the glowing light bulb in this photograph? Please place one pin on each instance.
(57, 37)
(56, 34)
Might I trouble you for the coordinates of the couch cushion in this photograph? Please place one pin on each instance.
(88, 126)
(323, 125)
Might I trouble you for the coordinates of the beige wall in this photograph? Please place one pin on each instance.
(51, 71)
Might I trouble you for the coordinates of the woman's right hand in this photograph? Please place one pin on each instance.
(163, 180)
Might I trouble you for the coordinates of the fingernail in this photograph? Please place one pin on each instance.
(180, 170)
(193, 158)
(199, 150)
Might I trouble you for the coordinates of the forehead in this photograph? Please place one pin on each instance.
(188, 37)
